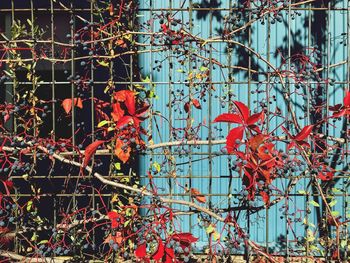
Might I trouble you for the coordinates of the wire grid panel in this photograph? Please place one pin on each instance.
(235, 73)
(55, 40)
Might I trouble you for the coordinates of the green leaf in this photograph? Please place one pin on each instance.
(343, 243)
(216, 235)
(202, 68)
(117, 166)
(102, 123)
(333, 203)
(156, 166)
(180, 70)
(210, 229)
(335, 190)
(335, 213)
(103, 63)
(29, 205)
(302, 192)
(314, 203)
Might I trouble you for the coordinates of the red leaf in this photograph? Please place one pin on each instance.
(229, 117)
(6, 117)
(347, 99)
(128, 97)
(196, 103)
(9, 184)
(184, 237)
(111, 9)
(234, 134)
(160, 251)
(118, 112)
(67, 104)
(90, 151)
(255, 141)
(255, 118)
(125, 120)
(187, 107)
(336, 107)
(140, 251)
(122, 155)
(339, 113)
(164, 28)
(265, 196)
(304, 133)
(170, 254)
(243, 109)
(112, 215)
(199, 197)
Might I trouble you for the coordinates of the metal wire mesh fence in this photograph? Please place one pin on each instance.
(66, 69)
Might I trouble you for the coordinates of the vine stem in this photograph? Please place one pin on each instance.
(145, 192)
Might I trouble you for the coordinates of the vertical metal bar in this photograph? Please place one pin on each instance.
(345, 203)
(268, 119)
(72, 33)
(92, 87)
(190, 96)
(53, 69)
(248, 103)
(288, 90)
(53, 96)
(210, 107)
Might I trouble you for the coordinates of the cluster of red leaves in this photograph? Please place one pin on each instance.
(247, 122)
(127, 119)
(164, 253)
(179, 37)
(123, 233)
(260, 158)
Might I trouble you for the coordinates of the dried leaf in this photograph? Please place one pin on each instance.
(199, 197)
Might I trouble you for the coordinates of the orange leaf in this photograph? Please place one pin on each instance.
(118, 112)
(90, 151)
(67, 104)
(199, 197)
(111, 9)
(128, 97)
(196, 104)
(122, 155)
